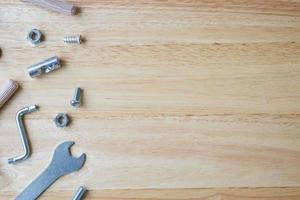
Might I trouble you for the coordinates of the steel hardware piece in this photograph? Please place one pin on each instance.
(23, 135)
(76, 100)
(34, 36)
(74, 39)
(44, 67)
(80, 193)
(62, 163)
(61, 120)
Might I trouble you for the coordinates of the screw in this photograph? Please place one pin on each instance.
(76, 100)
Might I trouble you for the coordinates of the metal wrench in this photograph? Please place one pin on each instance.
(61, 164)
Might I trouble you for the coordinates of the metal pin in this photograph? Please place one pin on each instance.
(79, 193)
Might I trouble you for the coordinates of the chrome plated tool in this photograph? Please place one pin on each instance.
(62, 164)
(23, 135)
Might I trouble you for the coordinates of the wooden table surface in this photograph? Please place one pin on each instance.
(182, 99)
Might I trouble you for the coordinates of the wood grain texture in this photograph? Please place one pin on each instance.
(181, 194)
(177, 95)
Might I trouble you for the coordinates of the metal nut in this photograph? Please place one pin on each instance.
(61, 120)
(34, 36)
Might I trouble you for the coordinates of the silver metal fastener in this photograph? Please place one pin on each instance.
(75, 39)
(34, 36)
(23, 135)
(79, 194)
(61, 120)
(76, 100)
(45, 66)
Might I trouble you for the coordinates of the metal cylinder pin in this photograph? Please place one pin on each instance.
(79, 194)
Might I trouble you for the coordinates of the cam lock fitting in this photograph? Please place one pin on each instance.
(44, 67)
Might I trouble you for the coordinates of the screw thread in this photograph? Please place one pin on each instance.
(76, 39)
(76, 100)
(77, 94)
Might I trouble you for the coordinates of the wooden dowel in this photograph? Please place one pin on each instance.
(8, 88)
(55, 5)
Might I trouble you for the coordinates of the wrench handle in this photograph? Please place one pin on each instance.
(39, 185)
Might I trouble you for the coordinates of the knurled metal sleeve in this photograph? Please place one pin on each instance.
(8, 88)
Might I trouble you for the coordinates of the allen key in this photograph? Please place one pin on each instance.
(23, 135)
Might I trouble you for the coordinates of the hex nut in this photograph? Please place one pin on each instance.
(34, 36)
(61, 120)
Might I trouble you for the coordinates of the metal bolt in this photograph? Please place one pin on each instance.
(76, 100)
(79, 193)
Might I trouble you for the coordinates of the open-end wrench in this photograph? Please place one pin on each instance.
(62, 163)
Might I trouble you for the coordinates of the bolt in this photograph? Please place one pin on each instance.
(76, 100)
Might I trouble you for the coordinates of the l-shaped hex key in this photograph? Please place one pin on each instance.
(23, 135)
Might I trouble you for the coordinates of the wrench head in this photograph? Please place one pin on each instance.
(64, 162)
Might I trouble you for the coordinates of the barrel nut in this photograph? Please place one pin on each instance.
(44, 67)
